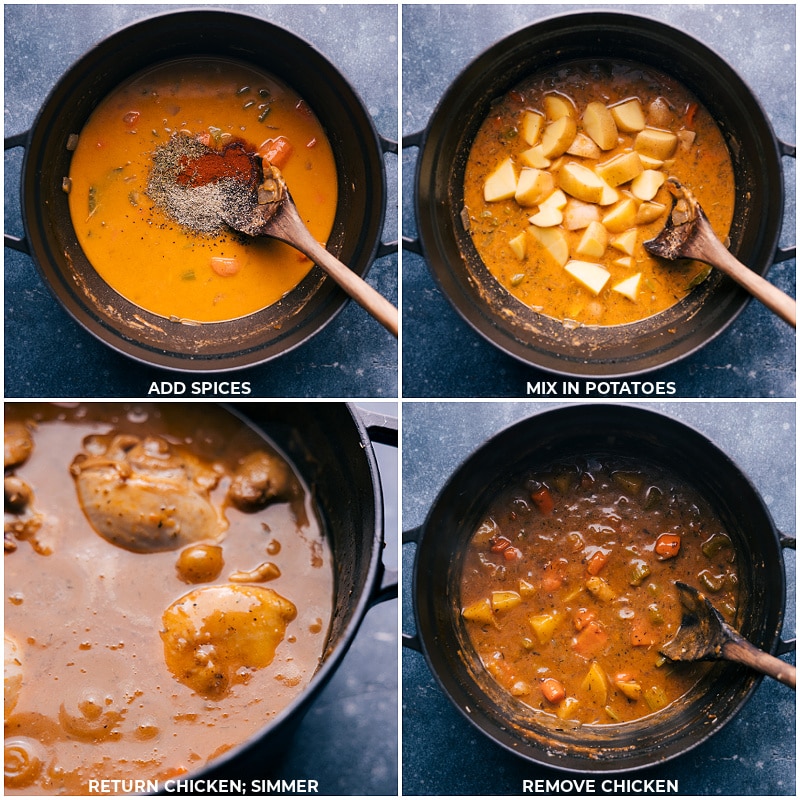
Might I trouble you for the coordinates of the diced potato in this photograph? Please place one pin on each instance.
(544, 626)
(648, 212)
(567, 708)
(558, 136)
(547, 217)
(625, 242)
(656, 143)
(592, 276)
(594, 241)
(620, 169)
(519, 245)
(595, 684)
(621, 217)
(578, 215)
(631, 689)
(600, 589)
(526, 589)
(685, 139)
(584, 147)
(648, 162)
(554, 241)
(629, 287)
(505, 600)
(479, 612)
(646, 185)
(581, 182)
(534, 157)
(628, 115)
(557, 106)
(531, 127)
(533, 185)
(600, 125)
(626, 262)
(501, 184)
(610, 195)
(556, 200)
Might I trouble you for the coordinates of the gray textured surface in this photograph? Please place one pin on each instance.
(48, 354)
(442, 355)
(443, 754)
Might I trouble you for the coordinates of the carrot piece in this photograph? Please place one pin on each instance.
(668, 545)
(543, 500)
(553, 577)
(224, 267)
(582, 618)
(499, 544)
(596, 563)
(276, 151)
(553, 690)
(591, 640)
(691, 110)
(641, 635)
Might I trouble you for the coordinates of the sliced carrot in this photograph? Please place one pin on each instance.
(553, 690)
(277, 151)
(691, 110)
(668, 545)
(582, 617)
(543, 500)
(553, 577)
(596, 563)
(224, 267)
(591, 640)
(642, 635)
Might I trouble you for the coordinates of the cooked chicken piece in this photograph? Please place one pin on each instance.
(261, 478)
(215, 636)
(146, 494)
(17, 444)
(12, 675)
(17, 495)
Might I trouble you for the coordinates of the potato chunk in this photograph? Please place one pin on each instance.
(599, 124)
(629, 287)
(628, 115)
(533, 186)
(621, 217)
(558, 136)
(557, 106)
(518, 245)
(531, 127)
(620, 169)
(594, 241)
(581, 182)
(656, 143)
(646, 185)
(501, 184)
(592, 276)
(583, 147)
(215, 637)
(554, 241)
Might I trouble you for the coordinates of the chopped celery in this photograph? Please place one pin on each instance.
(712, 582)
(655, 697)
(639, 573)
(713, 545)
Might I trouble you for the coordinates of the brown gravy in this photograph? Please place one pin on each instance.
(98, 699)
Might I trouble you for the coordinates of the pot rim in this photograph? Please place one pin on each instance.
(428, 640)
(493, 326)
(123, 339)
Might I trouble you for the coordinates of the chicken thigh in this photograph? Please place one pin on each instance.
(146, 494)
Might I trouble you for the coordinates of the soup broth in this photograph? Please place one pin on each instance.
(567, 587)
(162, 266)
(146, 640)
(565, 181)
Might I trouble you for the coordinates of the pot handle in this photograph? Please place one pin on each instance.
(411, 640)
(785, 253)
(387, 248)
(17, 243)
(382, 429)
(413, 140)
(787, 645)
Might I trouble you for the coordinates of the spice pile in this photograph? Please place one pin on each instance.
(200, 187)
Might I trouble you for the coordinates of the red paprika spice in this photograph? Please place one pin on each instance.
(233, 161)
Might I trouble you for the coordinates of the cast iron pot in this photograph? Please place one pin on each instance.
(330, 445)
(461, 506)
(496, 314)
(50, 239)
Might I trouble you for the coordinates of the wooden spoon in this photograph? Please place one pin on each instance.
(705, 636)
(273, 213)
(688, 234)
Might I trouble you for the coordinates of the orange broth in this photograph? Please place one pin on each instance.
(153, 261)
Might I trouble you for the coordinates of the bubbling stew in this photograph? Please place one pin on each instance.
(567, 587)
(168, 591)
(566, 179)
(183, 265)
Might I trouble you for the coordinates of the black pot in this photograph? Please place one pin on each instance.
(50, 238)
(612, 351)
(459, 509)
(330, 445)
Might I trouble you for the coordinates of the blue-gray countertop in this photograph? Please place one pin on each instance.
(48, 354)
(443, 754)
(442, 355)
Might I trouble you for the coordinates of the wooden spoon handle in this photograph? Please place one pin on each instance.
(772, 297)
(369, 299)
(742, 651)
